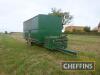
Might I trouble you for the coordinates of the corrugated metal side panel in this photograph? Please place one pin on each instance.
(31, 24)
(31, 28)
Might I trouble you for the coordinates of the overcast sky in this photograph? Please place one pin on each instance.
(14, 12)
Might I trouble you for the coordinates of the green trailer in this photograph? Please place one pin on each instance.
(46, 30)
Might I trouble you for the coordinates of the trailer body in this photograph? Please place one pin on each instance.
(42, 26)
(45, 30)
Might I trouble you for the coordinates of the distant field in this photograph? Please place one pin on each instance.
(17, 58)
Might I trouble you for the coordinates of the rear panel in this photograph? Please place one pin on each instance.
(49, 26)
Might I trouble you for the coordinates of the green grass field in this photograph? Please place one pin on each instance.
(17, 58)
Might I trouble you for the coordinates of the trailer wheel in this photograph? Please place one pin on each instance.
(30, 43)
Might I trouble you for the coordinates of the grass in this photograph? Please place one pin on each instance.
(17, 58)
